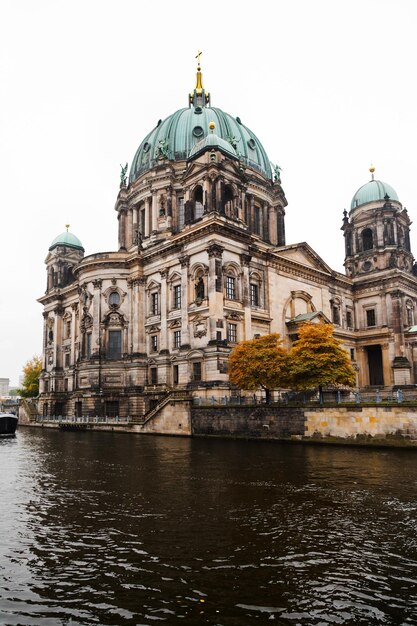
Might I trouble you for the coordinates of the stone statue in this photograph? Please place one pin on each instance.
(199, 289)
(123, 175)
(277, 173)
(162, 150)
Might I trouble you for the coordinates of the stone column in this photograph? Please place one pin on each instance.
(58, 311)
(185, 331)
(147, 217)
(141, 313)
(45, 339)
(242, 205)
(251, 213)
(122, 229)
(265, 230)
(96, 339)
(245, 260)
(164, 311)
(215, 288)
(154, 219)
(273, 225)
(73, 333)
(135, 224)
(129, 228)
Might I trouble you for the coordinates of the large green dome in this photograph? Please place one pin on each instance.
(372, 191)
(67, 239)
(175, 137)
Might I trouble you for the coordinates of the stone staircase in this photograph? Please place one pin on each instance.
(170, 396)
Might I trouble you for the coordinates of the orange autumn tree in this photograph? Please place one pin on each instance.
(31, 373)
(259, 362)
(317, 359)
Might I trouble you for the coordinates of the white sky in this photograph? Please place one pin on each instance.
(327, 86)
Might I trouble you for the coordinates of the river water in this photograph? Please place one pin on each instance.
(103, 528)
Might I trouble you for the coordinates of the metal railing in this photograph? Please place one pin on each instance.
(374, 396)
(85, 419)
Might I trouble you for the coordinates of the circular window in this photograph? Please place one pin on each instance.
(198, 110)
(252, 144)
(367, 266)
(198, 131)
(114, 299)
(146, 147)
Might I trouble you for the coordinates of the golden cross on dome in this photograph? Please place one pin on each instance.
(67, 226)
(199, 53)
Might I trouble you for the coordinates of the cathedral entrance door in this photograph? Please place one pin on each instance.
(376, 375)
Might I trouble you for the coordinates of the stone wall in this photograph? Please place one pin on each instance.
(377, 422)
(267, 422)
(386, 425)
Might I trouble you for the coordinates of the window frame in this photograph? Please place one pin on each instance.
(232, 332)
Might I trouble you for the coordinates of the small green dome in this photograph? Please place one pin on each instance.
(67, 239)
(213, 141)
(372, 191)
(175, 137)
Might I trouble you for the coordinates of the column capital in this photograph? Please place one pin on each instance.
(215, 250)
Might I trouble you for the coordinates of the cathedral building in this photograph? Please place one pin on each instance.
(202, 264)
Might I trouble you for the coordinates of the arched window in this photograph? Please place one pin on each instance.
(198, 202)
(367, 239)
(228, 201)
(114, 298)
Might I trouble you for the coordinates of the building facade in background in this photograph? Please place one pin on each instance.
(203, 263)
(4, 386)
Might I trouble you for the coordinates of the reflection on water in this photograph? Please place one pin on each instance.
(101, 528)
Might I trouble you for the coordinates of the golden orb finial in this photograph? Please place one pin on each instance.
(67, 226)
(372, 170)
(212, 126)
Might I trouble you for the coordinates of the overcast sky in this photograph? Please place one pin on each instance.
(327, 86)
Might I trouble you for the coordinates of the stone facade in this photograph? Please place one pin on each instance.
(203, 264)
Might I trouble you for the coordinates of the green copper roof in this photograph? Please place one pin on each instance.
(67, 239)
(213, 141)
(374, 190)
(175, 137)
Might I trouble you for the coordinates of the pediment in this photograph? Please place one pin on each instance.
(305, 255)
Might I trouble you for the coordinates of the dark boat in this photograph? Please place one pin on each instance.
(8, 423)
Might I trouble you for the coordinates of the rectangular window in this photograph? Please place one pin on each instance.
(88, 346)
(197, 370)
(177, 296)
(175, 375)
(155, 303)
(336, 315)
(230, 287)
(65, 384)
(177, 339)
(154, 375)
(370, 317)
(154, 343)
(254, 294)
(78, 408)
(68, 329)
(232, 333)
(352, 354)
(114, 347)
(349, 319)
(67, 359)
(112, 408)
